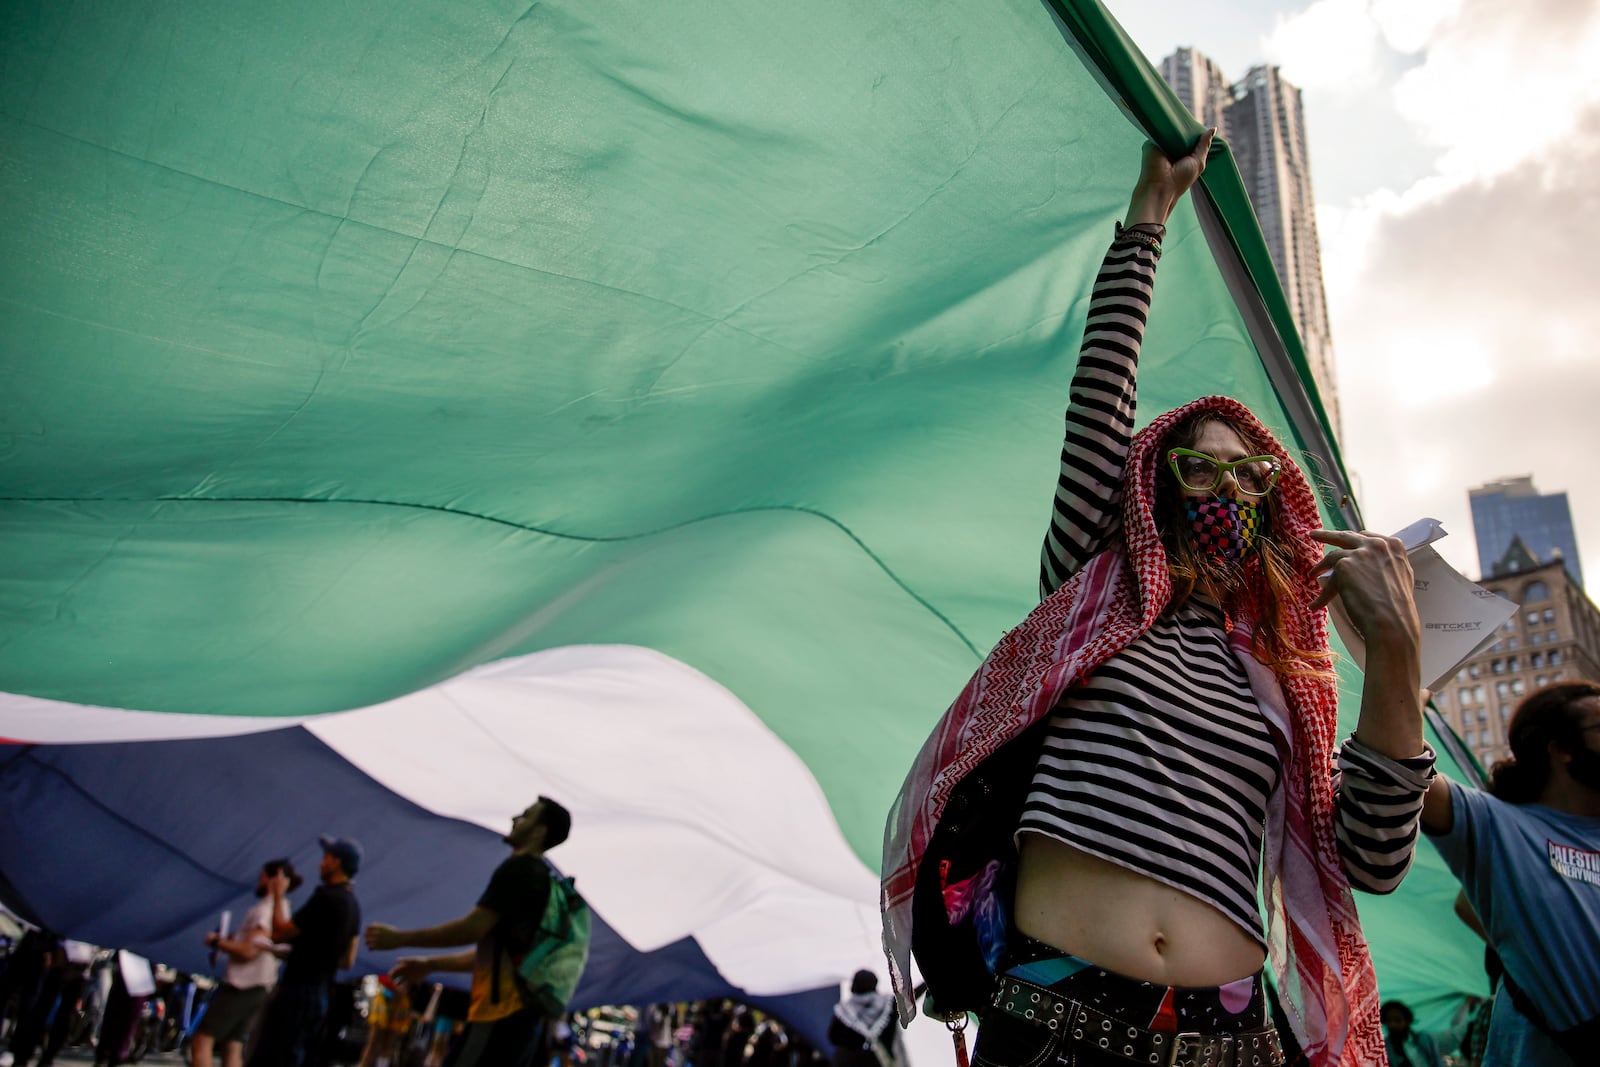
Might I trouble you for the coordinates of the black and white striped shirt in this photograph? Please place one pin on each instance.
(1161, 760)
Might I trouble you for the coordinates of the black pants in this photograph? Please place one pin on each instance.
(508, 1042)
(1007, 1041)
(117, 1025)
(47, 1022)
(291, 1030)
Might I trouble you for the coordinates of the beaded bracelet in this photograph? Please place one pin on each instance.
(1139, 235)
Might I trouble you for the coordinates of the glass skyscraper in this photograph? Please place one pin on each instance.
(1511, 508)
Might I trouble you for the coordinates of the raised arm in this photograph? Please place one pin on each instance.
(1101, 400)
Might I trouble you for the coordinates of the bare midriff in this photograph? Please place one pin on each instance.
(1126, 922)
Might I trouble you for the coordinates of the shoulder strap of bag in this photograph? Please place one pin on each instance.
(1577, 1042)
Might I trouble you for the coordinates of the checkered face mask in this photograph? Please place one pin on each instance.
(1223, 530)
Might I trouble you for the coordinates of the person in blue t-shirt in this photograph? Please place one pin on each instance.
(1527, 853)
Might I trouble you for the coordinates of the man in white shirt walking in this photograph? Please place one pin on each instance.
(252, 971)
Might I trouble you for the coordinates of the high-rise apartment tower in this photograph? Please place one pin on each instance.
(1201, 85)
(1264, 121)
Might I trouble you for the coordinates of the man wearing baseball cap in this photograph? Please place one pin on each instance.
(322, 939)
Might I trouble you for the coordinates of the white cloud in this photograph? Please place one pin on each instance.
(1462, 313)
(1408, 25)
(1331, 46)
(1501, 84)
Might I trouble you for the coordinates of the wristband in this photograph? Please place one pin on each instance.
(1141, 234)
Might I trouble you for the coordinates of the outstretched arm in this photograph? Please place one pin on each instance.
(414, 969)
(1101, 400)
(469, 929)
(242, 949)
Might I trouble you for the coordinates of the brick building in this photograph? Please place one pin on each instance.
(1554, 637)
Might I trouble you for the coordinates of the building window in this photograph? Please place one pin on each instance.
(1476, 670)
(1542, 681)
(1498, 666)
(1536, 639)
(1472, 737)
(1463, 695)
(1536, 660)
(1511, 625)
(1556, 677)
(1477, 693)
(1512, 664)
(1555, 656)
(1483, 715)
(1535, 591)
(1533, 618)
(1511, 643)
(1549, 614)
(1502, 689)
(1552, 636)
(1505, 712)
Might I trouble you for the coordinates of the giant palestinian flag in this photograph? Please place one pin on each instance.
(411, 407)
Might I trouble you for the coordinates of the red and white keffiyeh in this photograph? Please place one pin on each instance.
(1316, 947)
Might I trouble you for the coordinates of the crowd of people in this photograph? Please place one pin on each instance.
(1083, 849)
(281, 966)
(271, 1006)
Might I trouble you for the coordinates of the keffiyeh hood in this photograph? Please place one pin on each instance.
(1316, 948)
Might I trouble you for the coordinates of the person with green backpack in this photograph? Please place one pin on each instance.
(530, 932)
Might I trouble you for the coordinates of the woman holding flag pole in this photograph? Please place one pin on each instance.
(1077, 852)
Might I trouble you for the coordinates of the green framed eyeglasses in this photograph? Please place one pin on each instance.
(1200, 473)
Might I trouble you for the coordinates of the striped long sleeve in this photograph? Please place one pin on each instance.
(1100, 411)
(1380, 805)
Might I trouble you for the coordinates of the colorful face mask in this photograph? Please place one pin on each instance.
(1223, 530)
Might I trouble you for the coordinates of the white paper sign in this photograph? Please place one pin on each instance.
(1459, 618)
(136, 974)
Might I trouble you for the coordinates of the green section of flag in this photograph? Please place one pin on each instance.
(347, 348)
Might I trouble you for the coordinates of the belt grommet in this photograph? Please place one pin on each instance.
(1060, 1007)
(1036, 998)
(1028, 1014)
(1127, 1050)
(1132, 1032)
(1105, 1042)
(1105, 1024)
(1078, 1034)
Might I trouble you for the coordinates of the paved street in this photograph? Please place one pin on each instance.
(86, 1055)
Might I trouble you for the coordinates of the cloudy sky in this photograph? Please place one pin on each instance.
(1456, 160)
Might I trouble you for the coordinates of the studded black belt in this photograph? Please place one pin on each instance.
(1081, 1024)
